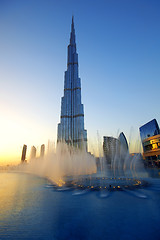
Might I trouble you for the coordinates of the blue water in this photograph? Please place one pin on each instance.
(30, 209)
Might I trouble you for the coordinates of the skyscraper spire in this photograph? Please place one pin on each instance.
(71, 127)
(72, 22)
(72, 37)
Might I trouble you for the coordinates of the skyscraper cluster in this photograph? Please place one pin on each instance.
(32, 153)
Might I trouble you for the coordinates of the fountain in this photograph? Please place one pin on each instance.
(77, 170)
(109, 179)
(69, 168)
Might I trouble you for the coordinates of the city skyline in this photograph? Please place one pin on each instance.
(119, 55)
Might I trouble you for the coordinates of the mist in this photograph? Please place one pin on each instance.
(65, 161)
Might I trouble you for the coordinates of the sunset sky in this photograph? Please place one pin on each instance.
(118, 43)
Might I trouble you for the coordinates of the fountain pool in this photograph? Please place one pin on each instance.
(31, 208)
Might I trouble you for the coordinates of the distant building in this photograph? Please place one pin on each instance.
(111, 148)
(123, 142)
(33, 152)
(115, 150)
(24, 150)
(124, 150)
(150, 137)
(42, 150)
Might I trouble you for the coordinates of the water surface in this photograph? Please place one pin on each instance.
(30, 209)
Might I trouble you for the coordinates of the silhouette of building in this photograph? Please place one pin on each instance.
(123, 142)
(71, 127)
(33, 152)
(24, 150)
(150, 137)
(124, 151)
(42, 150)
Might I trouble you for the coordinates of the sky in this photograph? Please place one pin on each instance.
(119, 58)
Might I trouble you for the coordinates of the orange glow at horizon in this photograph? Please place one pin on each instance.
(16, 130)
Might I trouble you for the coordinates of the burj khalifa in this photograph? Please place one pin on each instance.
(71, 127)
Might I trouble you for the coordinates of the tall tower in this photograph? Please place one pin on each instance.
(24, 150)
(33, 152)
(71, 126)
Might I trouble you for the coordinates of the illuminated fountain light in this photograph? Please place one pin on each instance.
(105, 183)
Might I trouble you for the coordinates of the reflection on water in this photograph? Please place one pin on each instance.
(30, 210)
(17, 193)
(20, 198)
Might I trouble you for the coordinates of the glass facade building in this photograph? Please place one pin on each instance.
(151, 150)
(115, 148)
(150, 137)
(111, 148)
(149, 129)
(71, 127)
